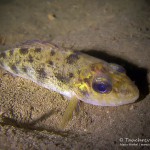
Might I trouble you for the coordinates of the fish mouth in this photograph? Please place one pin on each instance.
(114, 101)
(131, 97)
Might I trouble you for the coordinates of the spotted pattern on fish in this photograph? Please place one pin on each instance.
(30, 59)
(72, 58)
(24, 69)
(3, 55)
(38, 50)
(62, 78)
(52, 52)
(71, 73)
(50, 62)
(11, 52)
(13, 68)
(23, 50)
(41, 72)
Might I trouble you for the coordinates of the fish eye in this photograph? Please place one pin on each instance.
(102, 85)
(118, 68)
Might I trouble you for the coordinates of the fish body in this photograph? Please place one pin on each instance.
(71, 73)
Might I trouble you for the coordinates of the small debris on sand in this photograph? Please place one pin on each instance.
(51, 17)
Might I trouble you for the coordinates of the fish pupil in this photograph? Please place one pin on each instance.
(102, 87)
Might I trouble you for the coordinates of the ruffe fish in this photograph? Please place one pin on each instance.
(71, 73)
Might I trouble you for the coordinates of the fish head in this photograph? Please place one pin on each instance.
(105, 84)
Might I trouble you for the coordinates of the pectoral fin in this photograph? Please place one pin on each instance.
(69, 112)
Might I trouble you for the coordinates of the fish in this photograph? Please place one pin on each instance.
(76, 75)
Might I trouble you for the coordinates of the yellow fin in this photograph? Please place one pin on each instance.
(69, 112)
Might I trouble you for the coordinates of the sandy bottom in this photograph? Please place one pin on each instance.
(113, 30)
